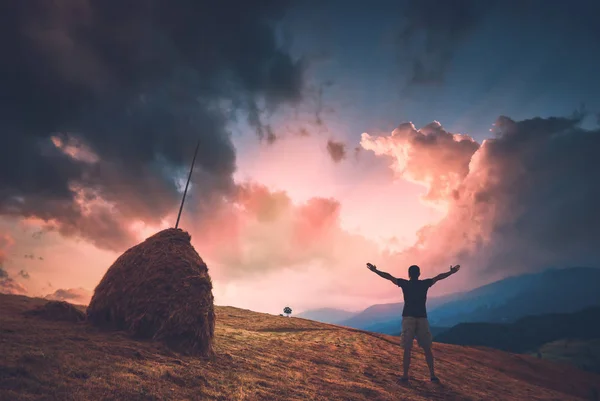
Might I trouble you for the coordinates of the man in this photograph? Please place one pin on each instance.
(414, 315)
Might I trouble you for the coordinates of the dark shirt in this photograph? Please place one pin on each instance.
(415, 296)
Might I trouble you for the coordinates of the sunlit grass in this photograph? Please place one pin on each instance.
(259, 357)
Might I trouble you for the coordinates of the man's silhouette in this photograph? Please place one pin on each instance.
(414, 315)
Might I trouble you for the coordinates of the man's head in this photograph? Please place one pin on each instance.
(414, 272)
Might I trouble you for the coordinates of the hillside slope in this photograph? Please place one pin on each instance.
(528, 333)
(258, 357)
(551, 291)
(584, 354)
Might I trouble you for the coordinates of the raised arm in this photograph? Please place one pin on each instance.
(385, 275)
(453, 269)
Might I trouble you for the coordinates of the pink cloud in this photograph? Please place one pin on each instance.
(262, 231)
(8, 285)
(429, 156)
(79, 296)
(513, 204)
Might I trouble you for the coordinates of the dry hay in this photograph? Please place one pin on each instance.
(159, 289)
(58, 310)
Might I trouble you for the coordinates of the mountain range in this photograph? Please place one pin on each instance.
(504, 301)
(327, 315)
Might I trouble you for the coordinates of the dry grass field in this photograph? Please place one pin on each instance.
(259, 357)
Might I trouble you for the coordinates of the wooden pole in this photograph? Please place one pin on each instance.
(187, 184)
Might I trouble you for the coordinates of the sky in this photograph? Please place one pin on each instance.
(330, 134)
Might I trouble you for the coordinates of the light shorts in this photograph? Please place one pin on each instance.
(416, 327)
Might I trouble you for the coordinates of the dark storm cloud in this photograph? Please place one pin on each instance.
(337, 150)
(271, 137)
(431, 30)
(127, 88)
(547, 194)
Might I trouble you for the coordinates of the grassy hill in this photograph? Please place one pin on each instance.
(528, 333)
(584, 354)
(259, 357)
(552, 291)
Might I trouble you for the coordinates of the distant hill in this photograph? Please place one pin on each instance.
(526, 334)
(394, 327)
(374, 314)
(326, 315)
(585, 354)
(259, 357)
(562, 290)
(387, 317)
(552, 291)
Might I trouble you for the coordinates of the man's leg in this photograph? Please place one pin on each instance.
(406, 360)
(429, 359)
(424, 338)
(408, 335)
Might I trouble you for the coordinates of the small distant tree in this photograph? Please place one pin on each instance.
(287, 310)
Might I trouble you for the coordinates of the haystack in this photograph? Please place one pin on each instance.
(159, 289)
(58, 311)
